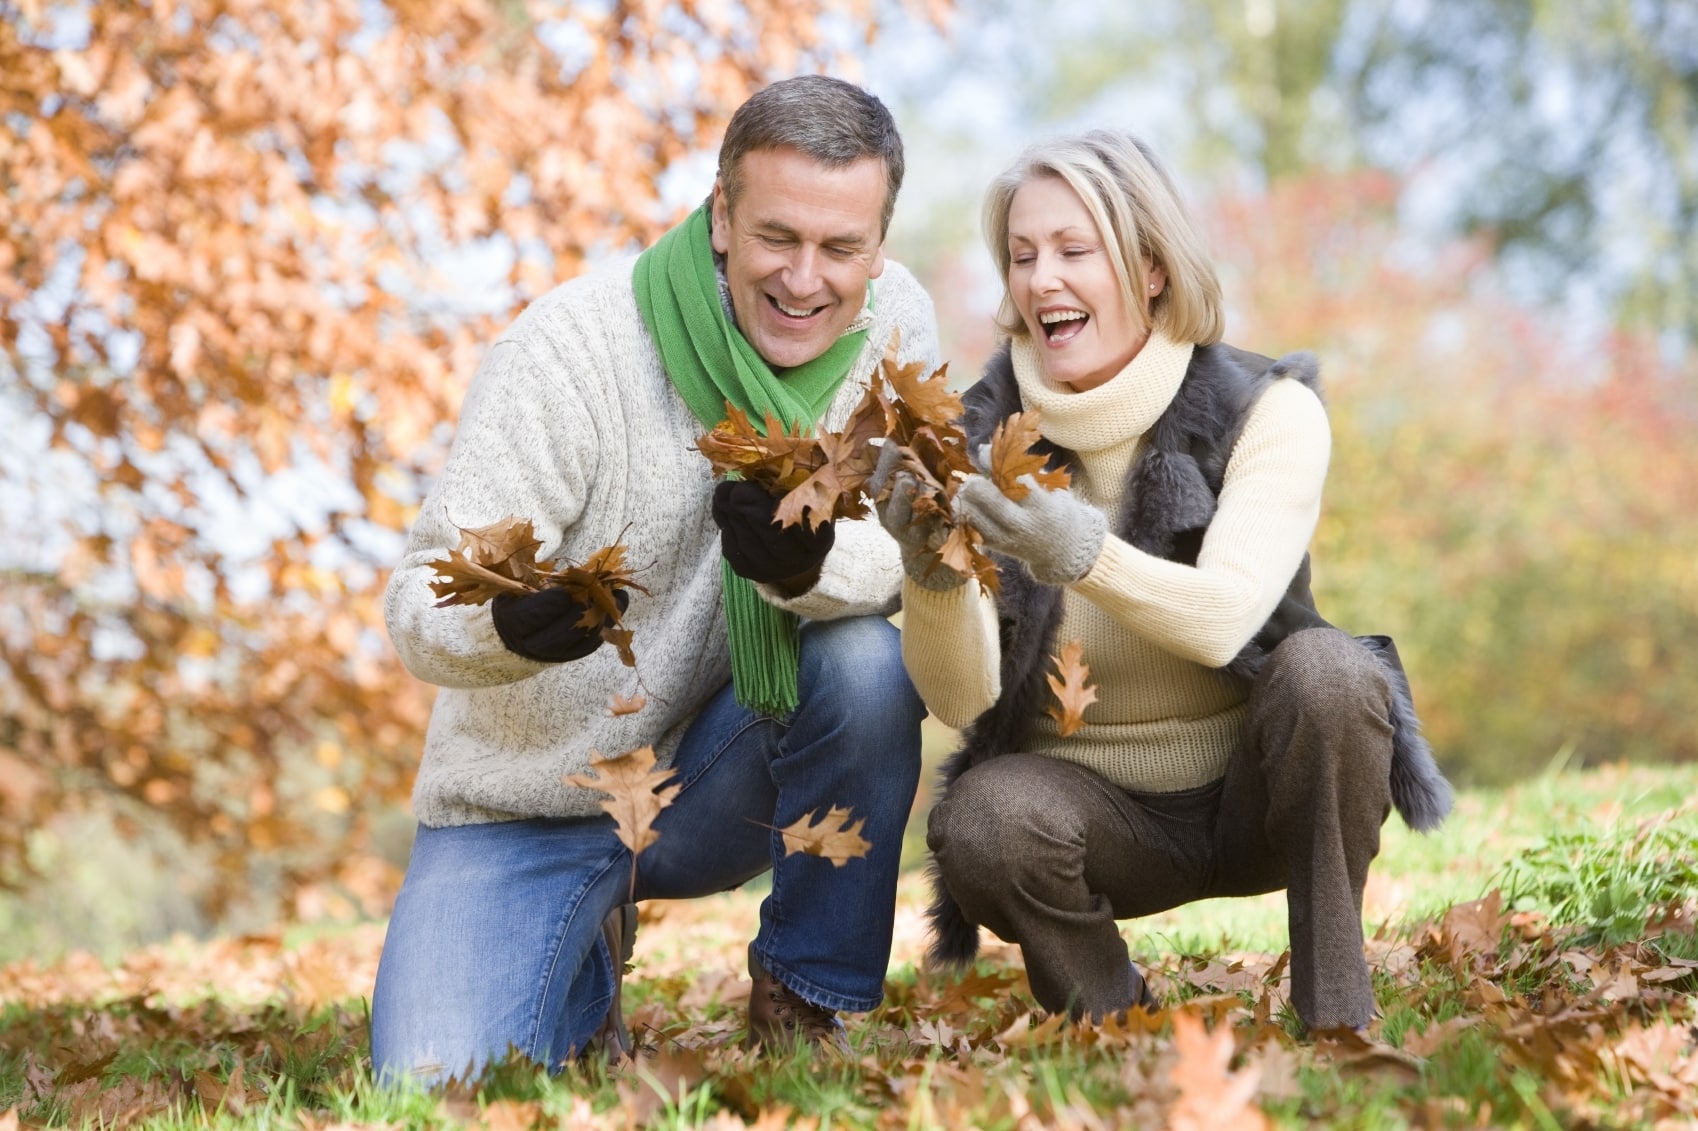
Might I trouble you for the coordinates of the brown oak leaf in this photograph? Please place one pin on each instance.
(1011, 457)
(831, 836)
(1072, 694)
(500, 557)
(626, 704)
(777, 458)
(1211, 1096)
(636, 793)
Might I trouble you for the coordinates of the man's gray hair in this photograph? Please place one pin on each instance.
(834, 122)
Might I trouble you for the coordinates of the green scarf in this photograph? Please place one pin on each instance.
(710, 362)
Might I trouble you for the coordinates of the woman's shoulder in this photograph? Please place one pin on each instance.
(1231, 364)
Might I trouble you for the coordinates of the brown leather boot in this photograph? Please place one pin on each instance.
(620, 930)
(1142, 995)
(781, 1018)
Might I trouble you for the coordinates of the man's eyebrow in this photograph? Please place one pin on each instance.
(774, 228)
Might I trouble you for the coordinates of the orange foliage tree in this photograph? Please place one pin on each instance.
(1515, 501)
(234, 238)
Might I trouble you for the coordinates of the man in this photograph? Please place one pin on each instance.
(516, 915)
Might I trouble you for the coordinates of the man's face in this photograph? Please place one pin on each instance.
(799, 248)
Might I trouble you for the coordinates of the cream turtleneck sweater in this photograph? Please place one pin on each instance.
(1152, 629)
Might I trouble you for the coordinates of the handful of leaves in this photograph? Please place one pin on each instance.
(502, 558)
(823, 478)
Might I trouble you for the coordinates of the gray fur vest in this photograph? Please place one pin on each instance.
(1169, 500)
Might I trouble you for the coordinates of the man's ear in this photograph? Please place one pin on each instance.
(876, 267)
(720, 223)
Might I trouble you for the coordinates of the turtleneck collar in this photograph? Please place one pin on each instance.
(1121, 409)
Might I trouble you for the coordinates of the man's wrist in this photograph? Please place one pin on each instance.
(798, 584)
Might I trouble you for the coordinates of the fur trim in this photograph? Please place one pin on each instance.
(1169, 496)
(1418, 787)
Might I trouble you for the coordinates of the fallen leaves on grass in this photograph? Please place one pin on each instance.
(942, 1051)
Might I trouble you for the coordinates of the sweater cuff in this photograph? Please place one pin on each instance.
(951, 648)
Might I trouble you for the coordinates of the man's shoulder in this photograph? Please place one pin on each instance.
(898, 286)
(900, 303)
(591, 298)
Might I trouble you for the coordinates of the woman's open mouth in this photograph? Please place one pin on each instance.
(1062, 325)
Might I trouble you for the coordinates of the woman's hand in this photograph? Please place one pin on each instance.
(1056, 533)
(918, 539)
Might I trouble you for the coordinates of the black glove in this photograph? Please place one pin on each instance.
(755, 545)
(543, 626)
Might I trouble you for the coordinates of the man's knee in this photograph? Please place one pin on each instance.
(857, 662)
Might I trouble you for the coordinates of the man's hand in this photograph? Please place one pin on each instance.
(1057, 534)
(543, 626)
(918, 539)
(761, 550)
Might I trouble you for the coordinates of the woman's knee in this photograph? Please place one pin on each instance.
(995, 817)
(1326, 671)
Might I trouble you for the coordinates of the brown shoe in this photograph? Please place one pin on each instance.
(1141, 996)
(781, 1018)
(620, 930)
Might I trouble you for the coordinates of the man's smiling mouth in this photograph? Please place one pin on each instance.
(792, 312)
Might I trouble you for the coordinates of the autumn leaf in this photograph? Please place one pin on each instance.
(1211, 1096)
(822, 496)
(501, 558)
(1072, 694)
(927, 397)
(627, 705)
(637, 792)
(831, 836)
(490, 560)
(1011, 457)
(777, 458)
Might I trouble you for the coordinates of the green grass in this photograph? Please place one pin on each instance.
(1573, 1009)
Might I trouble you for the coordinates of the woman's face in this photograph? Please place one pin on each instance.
(1063, 283)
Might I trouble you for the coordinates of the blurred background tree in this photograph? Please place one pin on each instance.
(250, 256)
(240, 253)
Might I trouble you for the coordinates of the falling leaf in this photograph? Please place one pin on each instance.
(637, 792)
(627, 704)
(1071, 692)
(1011, 457)
(831, 836)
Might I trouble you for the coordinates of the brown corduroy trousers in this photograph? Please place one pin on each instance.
(1049, 855)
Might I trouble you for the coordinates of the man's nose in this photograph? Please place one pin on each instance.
(802, 273)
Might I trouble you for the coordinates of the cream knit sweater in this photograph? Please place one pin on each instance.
(572, 423)
(1152, 629)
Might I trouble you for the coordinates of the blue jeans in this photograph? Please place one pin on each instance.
(495, 942)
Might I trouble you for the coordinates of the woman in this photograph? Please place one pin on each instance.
(1238, 743)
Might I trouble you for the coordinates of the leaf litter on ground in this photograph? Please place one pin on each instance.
(1493, 1013)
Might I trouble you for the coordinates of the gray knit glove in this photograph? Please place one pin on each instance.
(1057, 534)
(918, 539)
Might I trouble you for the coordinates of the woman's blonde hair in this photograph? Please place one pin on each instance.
(1141, 217)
